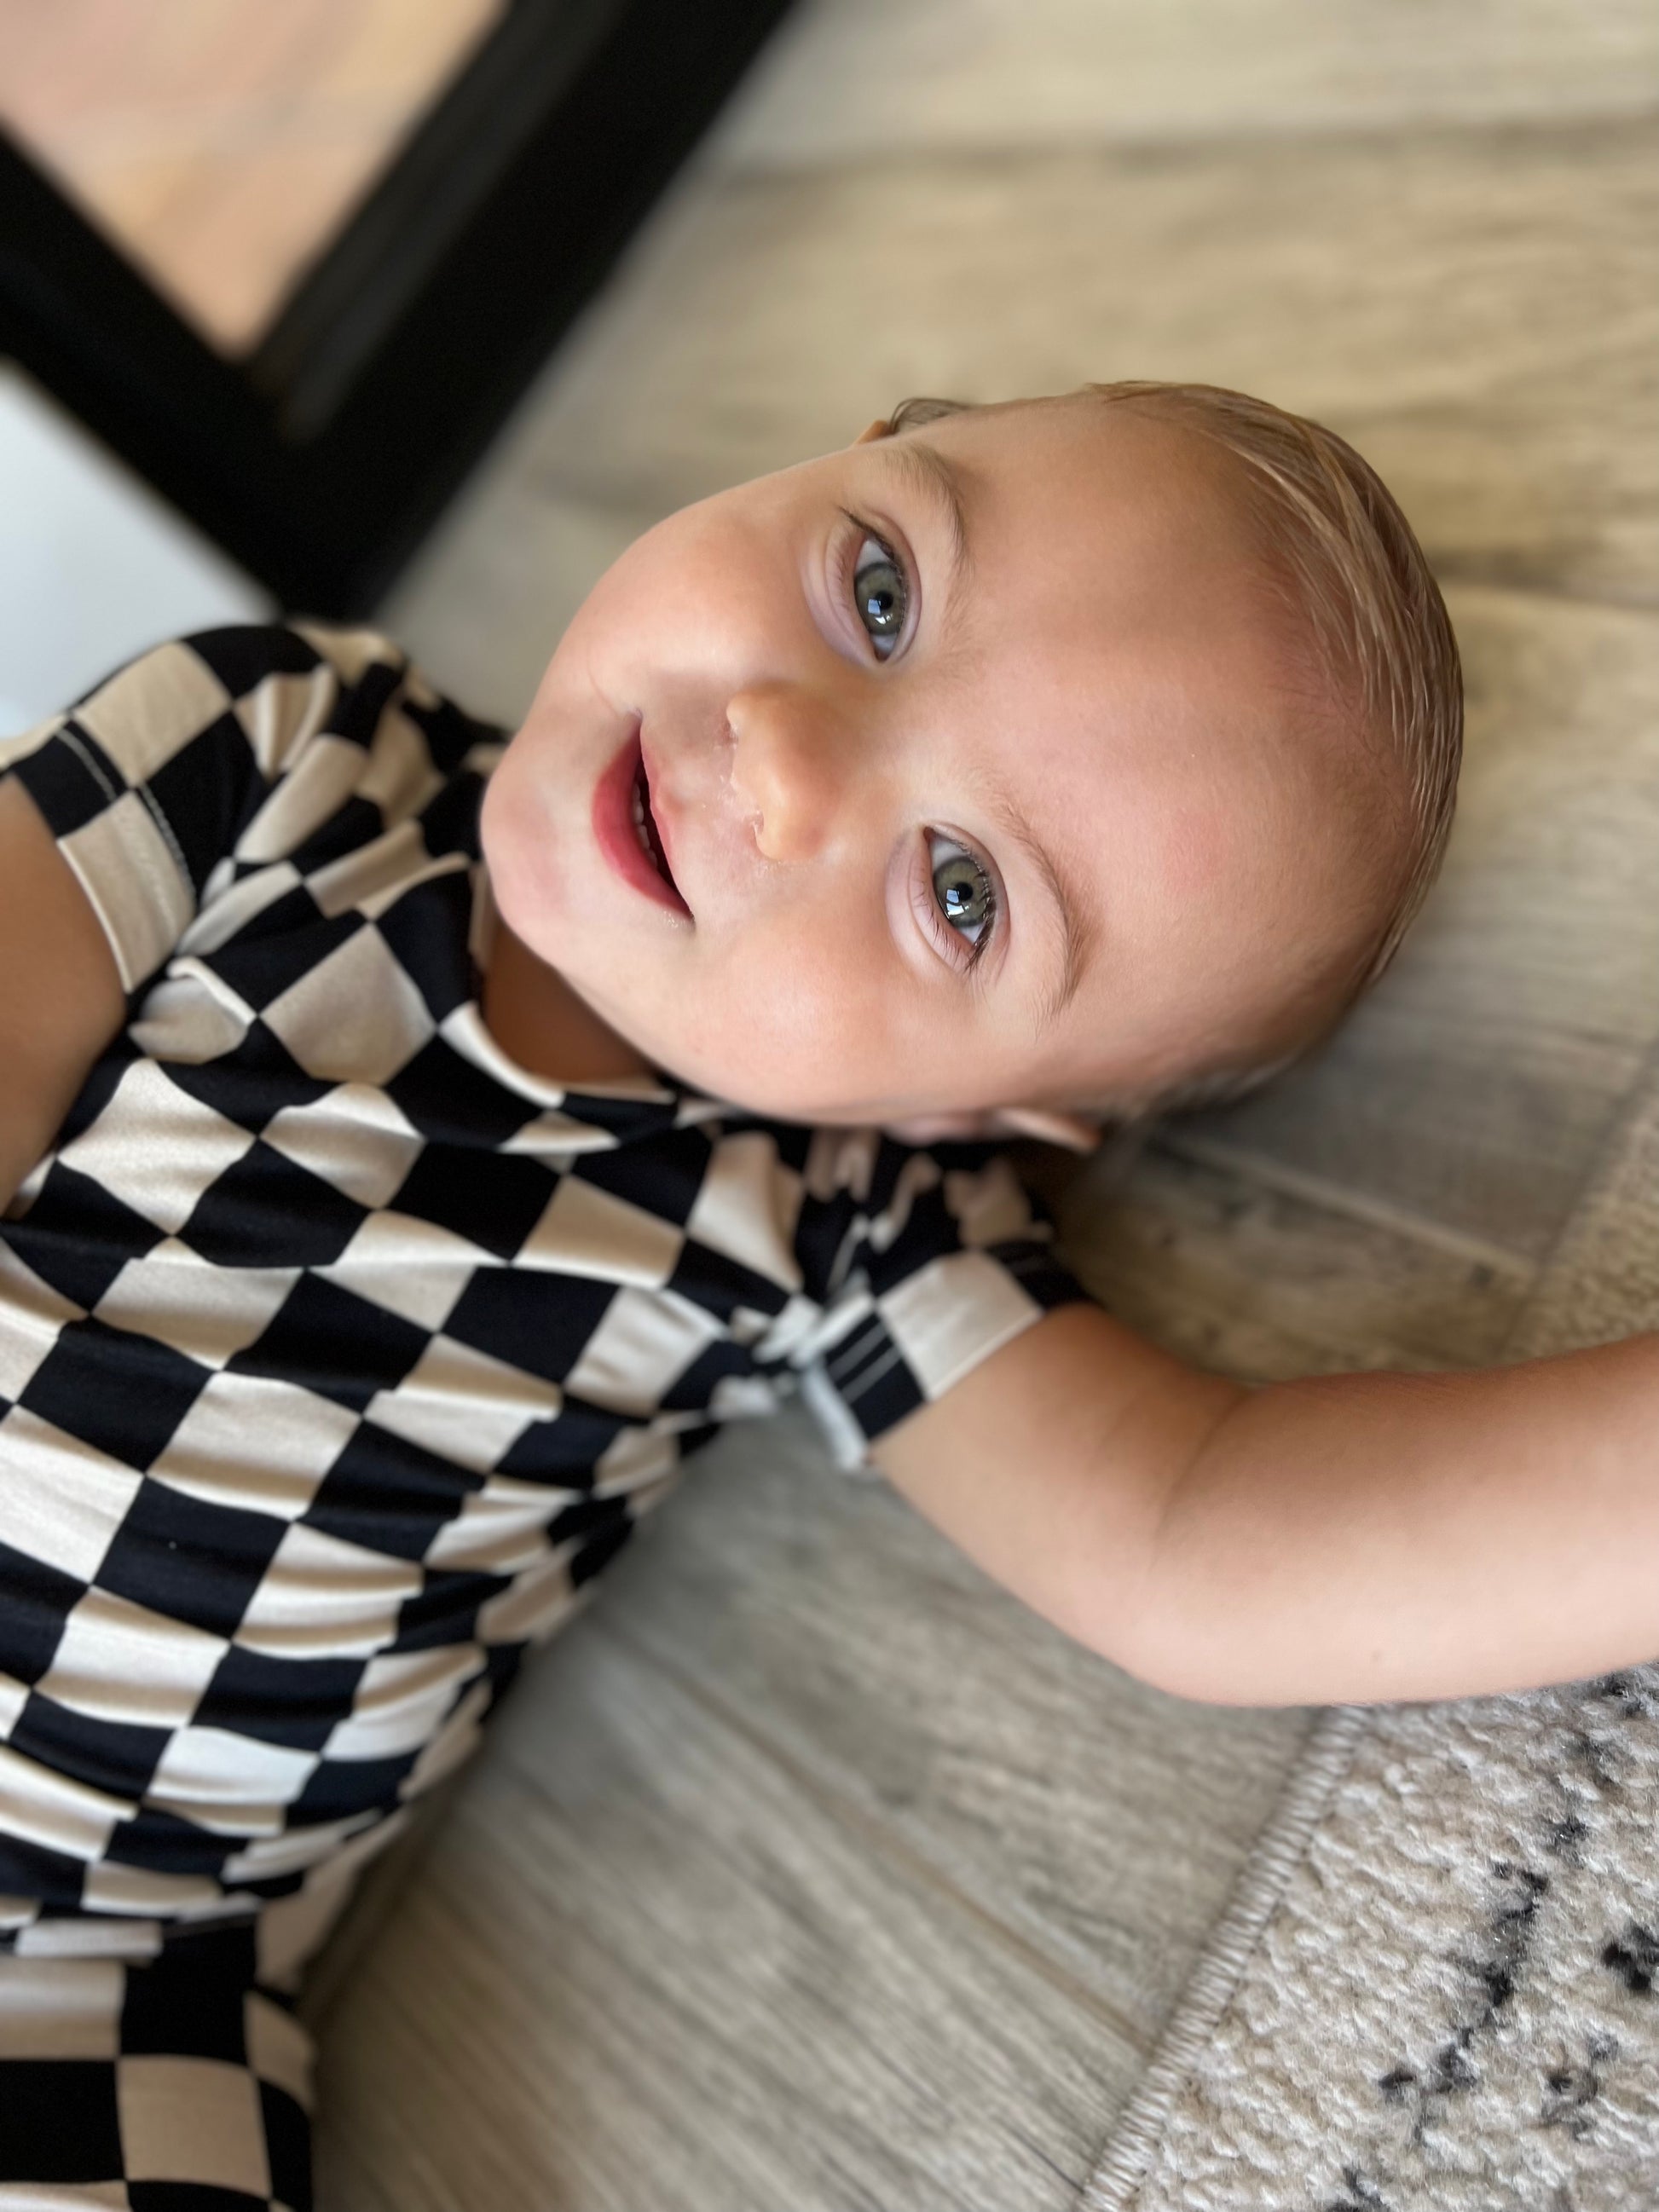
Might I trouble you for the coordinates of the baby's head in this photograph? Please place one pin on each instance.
(1061, 755)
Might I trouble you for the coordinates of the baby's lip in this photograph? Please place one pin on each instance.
(618, 834)
(663, 814)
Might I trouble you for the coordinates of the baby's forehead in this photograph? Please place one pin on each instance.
(1154, 527)
(1097, 523)
(1094, 454)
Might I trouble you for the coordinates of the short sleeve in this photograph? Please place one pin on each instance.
(209, 758)
(921, 1263)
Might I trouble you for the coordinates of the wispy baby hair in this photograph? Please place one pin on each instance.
(1379, 623)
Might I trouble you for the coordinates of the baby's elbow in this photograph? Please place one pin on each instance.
(1176, 1640)
(1128, 1633)
(1200, 1677)
(1210, 1652)
(1160, 1662)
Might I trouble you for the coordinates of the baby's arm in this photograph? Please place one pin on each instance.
(1346, 1538)
(60, 996)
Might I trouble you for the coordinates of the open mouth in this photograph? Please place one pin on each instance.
(645, 828)
(627, 832)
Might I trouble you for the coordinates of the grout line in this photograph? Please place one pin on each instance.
(1340, 1198)
(881, 1838)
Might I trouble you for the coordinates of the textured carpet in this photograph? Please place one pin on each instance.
(1434, 1990)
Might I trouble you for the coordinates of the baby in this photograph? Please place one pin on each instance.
(413, 1146)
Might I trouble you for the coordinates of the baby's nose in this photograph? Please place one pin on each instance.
(788, 768)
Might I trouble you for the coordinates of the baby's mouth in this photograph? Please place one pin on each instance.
(646, 829)
(628, 833)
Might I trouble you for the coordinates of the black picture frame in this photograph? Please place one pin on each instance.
(320, 458)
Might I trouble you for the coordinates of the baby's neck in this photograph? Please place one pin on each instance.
(538, 1020)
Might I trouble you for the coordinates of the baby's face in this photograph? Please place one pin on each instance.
(971, 772)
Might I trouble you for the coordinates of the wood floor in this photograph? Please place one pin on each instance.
(807, 1871)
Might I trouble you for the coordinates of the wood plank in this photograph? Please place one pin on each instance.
(1100, 1821)
(1213, 1262)
(847, 79)
(1476, 1085)
(1475, 308)
(483, 605)
(645, 1964)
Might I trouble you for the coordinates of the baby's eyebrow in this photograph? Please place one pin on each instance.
(1077, 929)
(934, 476)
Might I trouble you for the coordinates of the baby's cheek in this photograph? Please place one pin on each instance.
(804, 1020)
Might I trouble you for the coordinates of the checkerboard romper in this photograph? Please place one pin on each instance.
(337, 1353)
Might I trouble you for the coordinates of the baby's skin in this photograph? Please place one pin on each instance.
(961, 781)
(1079, 707)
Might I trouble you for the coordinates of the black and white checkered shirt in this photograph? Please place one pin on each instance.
(338, 1352)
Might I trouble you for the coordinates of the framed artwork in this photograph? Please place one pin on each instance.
(318, 447)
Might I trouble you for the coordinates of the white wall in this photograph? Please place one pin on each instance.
(92, 565)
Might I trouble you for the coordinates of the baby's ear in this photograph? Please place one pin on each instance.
(879, 428)
(1070, 1130)
(1073, 1131)
(944, 1128)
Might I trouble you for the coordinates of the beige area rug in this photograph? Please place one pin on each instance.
(1435, 1988)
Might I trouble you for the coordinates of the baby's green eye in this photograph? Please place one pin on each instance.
(965, 895)
(880, 594)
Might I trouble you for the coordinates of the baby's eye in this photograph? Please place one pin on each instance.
(964, 893)
(880, 594)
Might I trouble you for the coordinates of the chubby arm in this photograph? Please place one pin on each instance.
(1350, 1537)
(60, 996)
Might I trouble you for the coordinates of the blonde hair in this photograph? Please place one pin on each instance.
(1379, 625)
